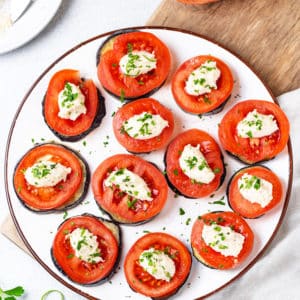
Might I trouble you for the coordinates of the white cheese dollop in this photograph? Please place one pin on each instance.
(223, 239)
(46, 173)
(256, 125)
(71, 102)
(130, 183)
(144, 126)
(158, 264)
(85, 245)
(136, 63)
(194, 165)
(203, 79)
(255, 189)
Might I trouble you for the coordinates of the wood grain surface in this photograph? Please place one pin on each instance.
(264, 33)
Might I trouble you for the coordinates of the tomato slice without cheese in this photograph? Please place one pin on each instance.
(211, 102)
(121, 206)
(65, 193)
(253, 150)
(143, 282)
(129, 87)
(66, 129)
(178, 180)
(244, 207)
(81, 271)
(146, 105)
(206, 254)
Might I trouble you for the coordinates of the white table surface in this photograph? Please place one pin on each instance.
(76, 21)
(275, 276)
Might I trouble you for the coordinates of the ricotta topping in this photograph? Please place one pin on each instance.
(85, 245)
(194, 165)
(136, 63)
(71, 102)
(144, 126)
(46, 173)
(256, 125)
(255, 189)
(223, 239)
(158, 264)
(130, 183)
(203, 79)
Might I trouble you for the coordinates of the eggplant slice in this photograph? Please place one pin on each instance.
(116, 231)
(77, 197)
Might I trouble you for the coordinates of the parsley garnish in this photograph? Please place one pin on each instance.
(181, 211)
(191, 162)
(12, 293)
(69, 96)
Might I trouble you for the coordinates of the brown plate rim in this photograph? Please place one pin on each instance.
(20, 232)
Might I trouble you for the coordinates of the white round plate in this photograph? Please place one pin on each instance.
(28, 127)
(29, 25)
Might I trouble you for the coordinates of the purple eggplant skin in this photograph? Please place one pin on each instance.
(80, 195)
(101, 112)
(176, 191)
(118, 235)
(98, 58)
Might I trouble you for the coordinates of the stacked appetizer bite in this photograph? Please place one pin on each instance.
(72, 106)
(130, 189)
(253, 191)
(202, 85)
(143, 125)
(221, 240)
(87, 249)
(133, 64)
(254, 131)
(194, 164)
(157, 265)
(51, 177)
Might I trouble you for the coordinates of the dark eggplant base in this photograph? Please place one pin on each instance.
(176, 191)
(84, 187)
(228, 186)
(246, 162)
(100, 114)
(113, 270)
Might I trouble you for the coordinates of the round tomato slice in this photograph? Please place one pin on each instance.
(253, 150)
(129, 87)
(214, 259)
(243, 206)
(178, 180)
(66, 129)
(212, 102)
(64, 194)
(143, 282)
(146, 105)
(81, 271)
(121, 206)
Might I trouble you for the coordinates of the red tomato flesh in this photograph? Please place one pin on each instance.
(244, 207)
(78, 270)
(211, 151)
(208, 102)
(137, 107)
(68, 129)
(122, 207)
(253, 150)
(208, 255)
(129, 87)
(143, 282)
(58, 196)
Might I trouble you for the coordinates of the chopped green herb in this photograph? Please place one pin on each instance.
(188, 221)
(175, 171)
(65, 215)
(122, 95)
(181, 211)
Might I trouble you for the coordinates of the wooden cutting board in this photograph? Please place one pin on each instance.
(264, 33)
